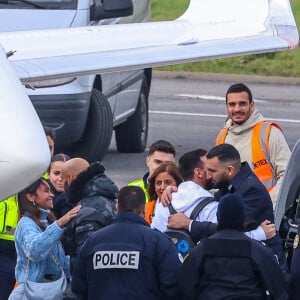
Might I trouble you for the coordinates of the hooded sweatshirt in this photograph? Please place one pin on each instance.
(240, 137)
(187, 197)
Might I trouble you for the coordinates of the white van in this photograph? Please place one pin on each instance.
(84, 110)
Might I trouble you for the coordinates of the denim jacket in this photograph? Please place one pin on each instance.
(38, 245)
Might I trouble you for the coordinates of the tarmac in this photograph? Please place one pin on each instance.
(228, 77)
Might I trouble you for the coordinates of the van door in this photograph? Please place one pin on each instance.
(109, 80)
(128, 98)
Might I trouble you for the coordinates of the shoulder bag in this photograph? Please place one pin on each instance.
(48, 290)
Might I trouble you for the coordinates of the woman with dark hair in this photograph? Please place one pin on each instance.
(166, 174)
(37, 238)
(60, 203)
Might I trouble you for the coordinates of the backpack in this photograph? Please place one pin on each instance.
(181, 237)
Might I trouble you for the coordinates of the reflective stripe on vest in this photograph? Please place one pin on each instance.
(9, 216)
(262, 166)
(141, 184)
(149, 211)
(221, 136)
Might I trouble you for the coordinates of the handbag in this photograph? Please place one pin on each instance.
(48, 290)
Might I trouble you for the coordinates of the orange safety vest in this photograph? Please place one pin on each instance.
(149, 211)
(262, 166)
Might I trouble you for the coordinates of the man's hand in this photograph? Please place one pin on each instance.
(269, 229)
(166, 196)
(179, 221)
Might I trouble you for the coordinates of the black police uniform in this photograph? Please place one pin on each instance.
(127, 260)
(229, 265)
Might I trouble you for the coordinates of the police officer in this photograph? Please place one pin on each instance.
(127, 259)
(230, 265)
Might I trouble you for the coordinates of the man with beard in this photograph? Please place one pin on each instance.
(260, 143)
(230, 176)
(193, 168)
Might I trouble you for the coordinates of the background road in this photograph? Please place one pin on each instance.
(188, 110)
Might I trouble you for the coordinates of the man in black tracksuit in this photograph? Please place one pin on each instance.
(229, 265)
(127, 259)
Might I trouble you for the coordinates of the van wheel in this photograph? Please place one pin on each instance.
(98, 130)
(131, 136)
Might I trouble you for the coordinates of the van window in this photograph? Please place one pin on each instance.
(38, 4)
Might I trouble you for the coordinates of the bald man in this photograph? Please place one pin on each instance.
(87, 185)
(71, 169)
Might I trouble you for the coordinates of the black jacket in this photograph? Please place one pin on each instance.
(229, 265)
(258, 208)
(257, 201)
(97, 195)
(151, 275)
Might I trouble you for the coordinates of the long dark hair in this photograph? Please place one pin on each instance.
(28, 208)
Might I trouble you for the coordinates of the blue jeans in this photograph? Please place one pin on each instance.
(7, 275)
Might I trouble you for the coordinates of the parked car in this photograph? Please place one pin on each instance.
(84, 110)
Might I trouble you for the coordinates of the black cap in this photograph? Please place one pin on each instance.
(231, 212)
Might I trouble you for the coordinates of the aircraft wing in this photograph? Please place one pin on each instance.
(207, 30)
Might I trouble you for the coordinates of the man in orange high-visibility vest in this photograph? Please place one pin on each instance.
(260, 143)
